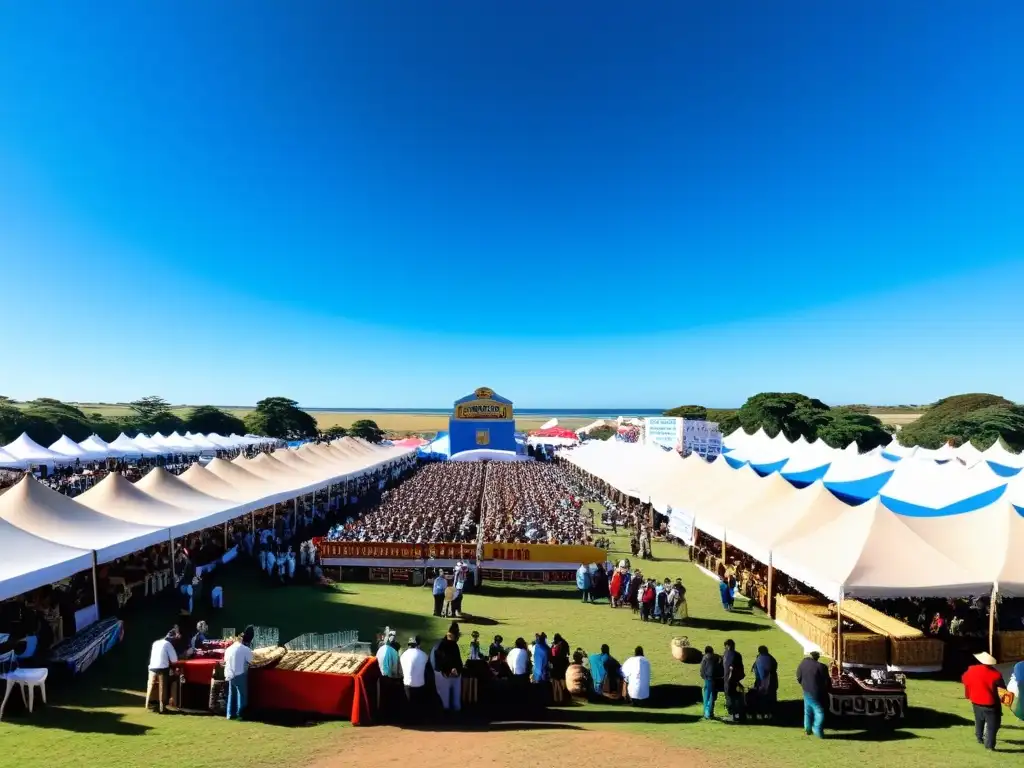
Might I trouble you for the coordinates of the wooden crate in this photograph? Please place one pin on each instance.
(1009, 646)
(916, 652)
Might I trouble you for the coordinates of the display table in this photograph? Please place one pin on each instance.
(849, 696)
(1009, 645)
(76, 654)
(270, 689)
(815, 620)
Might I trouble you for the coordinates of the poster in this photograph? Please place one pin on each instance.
(702, 438)
(666, 431)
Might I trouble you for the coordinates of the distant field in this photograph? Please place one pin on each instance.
(391, 422)
(897, 418)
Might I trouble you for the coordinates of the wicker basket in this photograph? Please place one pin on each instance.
(865, 648)
(916, 652)
(1009, 646)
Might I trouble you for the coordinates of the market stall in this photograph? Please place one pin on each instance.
(883, 696)
(76, 654)
(326, 683)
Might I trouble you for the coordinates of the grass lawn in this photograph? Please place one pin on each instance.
(99, 719)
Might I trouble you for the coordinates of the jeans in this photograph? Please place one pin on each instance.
(449, 690)
(709, 699)
(238, 693)
(986, 724)
(814, 716)
(586, 595)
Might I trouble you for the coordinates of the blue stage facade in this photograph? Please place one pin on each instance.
(482, 420)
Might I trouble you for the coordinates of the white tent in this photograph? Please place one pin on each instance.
(96, 445)
(68, 447)
(11, 462)
(925, 483)
(156, 445)
(115, 497)
(208, 483)
(27, 449)
(871, 552)
(223, 442)
(43, 512)
(124, 447)
(181, 444)
(200, 442)
(169, 489)
(28, 562)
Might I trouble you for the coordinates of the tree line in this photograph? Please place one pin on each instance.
(981, 419)
(45, 420)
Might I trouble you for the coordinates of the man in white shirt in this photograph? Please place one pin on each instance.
(237, 659)
(636, 671)
(518, 659)
(414, 667)
(161, 656)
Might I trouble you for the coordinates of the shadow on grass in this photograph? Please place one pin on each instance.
(543, 593)
(73, 720)
(721, 625)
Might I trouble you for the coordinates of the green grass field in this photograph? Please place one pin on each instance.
(99, 719)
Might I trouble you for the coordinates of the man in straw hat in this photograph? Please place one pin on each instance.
(982, 682)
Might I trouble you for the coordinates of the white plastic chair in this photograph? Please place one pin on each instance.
(27, 681)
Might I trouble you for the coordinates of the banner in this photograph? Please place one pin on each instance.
(484, 405)
(545, 553)
(381, 551)
(536, 553)
(533, 577)
(666, 431)
(702, 438)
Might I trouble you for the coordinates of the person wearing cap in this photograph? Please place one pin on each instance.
(497, 650)
(161, 656)
(414, 667)
(982, 682)
(199, 638)
(448, 669)
(475, 670)
(237, 659)
(814, 678)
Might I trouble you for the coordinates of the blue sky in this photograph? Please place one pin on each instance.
(587, 204)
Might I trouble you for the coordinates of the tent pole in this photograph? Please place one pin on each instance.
(95, 585)
(174, 574)
(771, 584)
(992, 620)
(225, 536)
(839, 632)
(252, 519)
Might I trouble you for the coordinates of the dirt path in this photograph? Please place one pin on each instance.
(396, 748)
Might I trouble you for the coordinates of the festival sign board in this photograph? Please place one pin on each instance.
(702, 438)
(522, 553)
(484, 404)
(666, 431)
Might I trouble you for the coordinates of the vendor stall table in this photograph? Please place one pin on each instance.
(76, 654)
(329, 695)
(851, 696)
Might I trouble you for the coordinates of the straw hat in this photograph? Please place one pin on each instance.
(987, 659)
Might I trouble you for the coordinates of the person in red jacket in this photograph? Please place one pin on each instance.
(981, 687)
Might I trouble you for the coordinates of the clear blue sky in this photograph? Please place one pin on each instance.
(577, 203)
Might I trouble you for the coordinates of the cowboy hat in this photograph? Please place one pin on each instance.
(987, 659)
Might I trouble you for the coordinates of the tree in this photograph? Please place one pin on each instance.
(986, 425)
(843, 426)
(974, 416)
(335, 432)
(727, 419)
(698, 412)
(281, 418)
(601, 433)
(209, 418)
(48, 419)
(153, 414)
(791, 413)
(12, 422)
(367, 430)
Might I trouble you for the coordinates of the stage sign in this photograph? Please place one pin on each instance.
(666, 431)
(391, 575)
(374, 551)
(702, 438)
(545, 553)
(532, 577)
(491, 410)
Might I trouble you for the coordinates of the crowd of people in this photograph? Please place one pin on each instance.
(449, 502)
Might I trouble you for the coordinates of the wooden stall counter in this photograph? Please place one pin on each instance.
(1009, 646)
(815, 619)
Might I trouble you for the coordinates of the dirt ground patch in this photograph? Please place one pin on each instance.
(391, 747)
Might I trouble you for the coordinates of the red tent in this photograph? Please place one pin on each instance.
(556, 432)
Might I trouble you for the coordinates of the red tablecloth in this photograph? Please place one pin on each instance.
(352, 696)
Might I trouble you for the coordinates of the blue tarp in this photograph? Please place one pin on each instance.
(859, 490)
(966, 505)
(1002, 470)
(803, 478)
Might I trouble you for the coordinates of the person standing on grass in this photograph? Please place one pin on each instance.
(440, 585)
(161, 657)
(448, 671)
(583, 582)
(814, 679)
(710, 673)
(766, 682)
(732, 676)
(237, 659)
(414, 666)
(982, 682)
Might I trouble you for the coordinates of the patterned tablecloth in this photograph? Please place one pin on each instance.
(79, 652)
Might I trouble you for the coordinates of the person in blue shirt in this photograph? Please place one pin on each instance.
(541, 658)
(440, 585)
(583, 583)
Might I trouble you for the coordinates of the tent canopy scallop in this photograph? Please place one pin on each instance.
(28, 562)
(116, 497)
(43, 512)
(169, 489)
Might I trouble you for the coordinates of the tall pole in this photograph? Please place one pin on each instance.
(839, 632)
(992, 620)
(95, 586)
